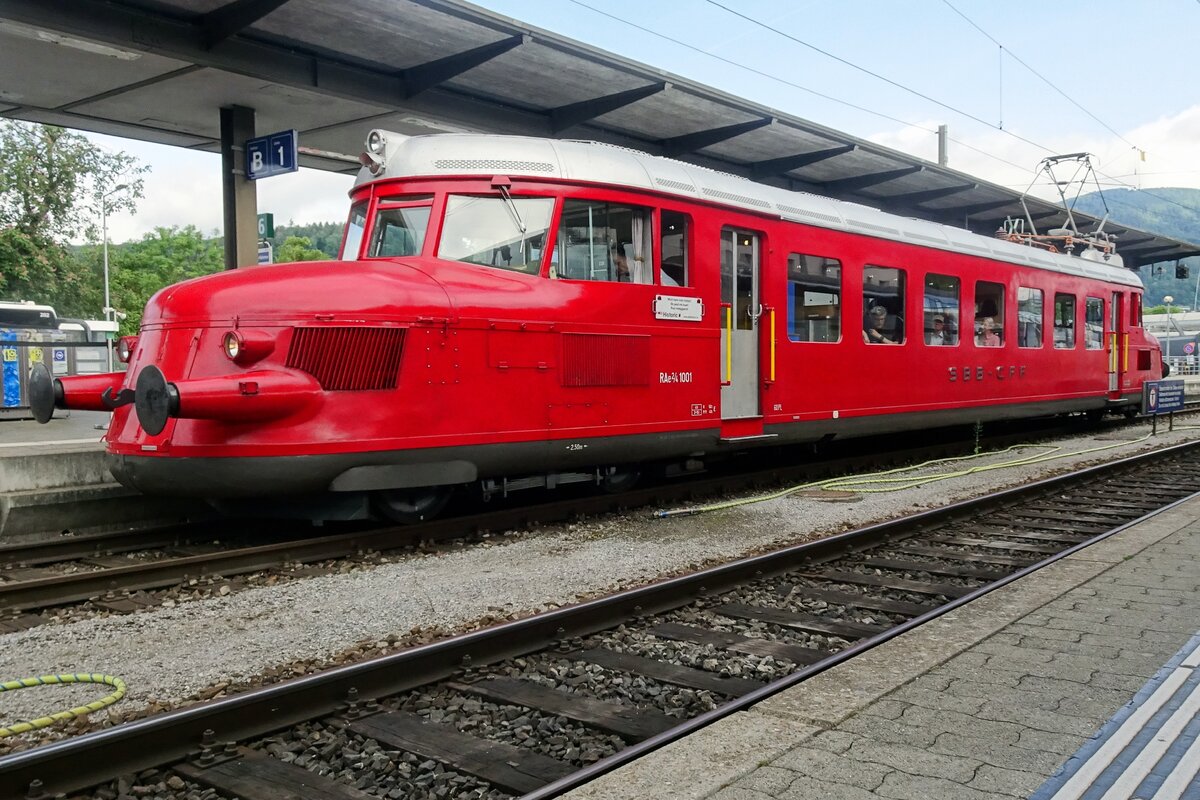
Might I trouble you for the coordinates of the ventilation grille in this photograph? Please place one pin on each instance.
(804, 212)
(348, 359)
(605, 360)
(493, 164)
(670, 184)
(737, 198)
(871, 226)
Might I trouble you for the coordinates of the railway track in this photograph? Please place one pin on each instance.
(538, 706)
(120, 572)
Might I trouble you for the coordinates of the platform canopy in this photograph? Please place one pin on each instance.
(159, 70)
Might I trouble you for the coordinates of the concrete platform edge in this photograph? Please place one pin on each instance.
(702, 764)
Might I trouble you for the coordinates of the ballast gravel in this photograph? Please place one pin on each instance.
(170, 656)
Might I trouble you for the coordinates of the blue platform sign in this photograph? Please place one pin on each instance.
(272, 155)
(1162, 397)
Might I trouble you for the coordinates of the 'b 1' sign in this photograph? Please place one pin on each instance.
(272, 155)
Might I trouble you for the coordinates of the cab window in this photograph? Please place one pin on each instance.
(502, 232)
(814, 298)
(600, 241)
(400, 225)
(352, 238)
(883, 305)
(674, 248)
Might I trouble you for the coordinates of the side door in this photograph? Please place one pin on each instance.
(741, 310)
(1118, 339)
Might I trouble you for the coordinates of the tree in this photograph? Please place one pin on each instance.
(139, 269)
(299, 248)
(51, 184)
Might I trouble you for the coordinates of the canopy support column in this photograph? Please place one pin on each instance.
(239, 195)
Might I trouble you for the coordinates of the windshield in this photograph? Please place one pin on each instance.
(484, 230)
(399, 231)
(354, 232)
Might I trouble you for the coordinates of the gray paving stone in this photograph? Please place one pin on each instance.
(833, 741)
(891, 708)
(992, 676)
(915, 694)
(1037, 719)
(1017, 654)
(938, 722)
(737, 793)
(1022, 629)
(833, 767)
(886, 730)
(1064, 744)
(901, 786)
(1016, 783)
(769, 780)
(915, 760)
(804, 788)
(996, 754)
(983, 692)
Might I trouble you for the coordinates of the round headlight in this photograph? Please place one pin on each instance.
(232, 345)
(376, 142)
(125, 346)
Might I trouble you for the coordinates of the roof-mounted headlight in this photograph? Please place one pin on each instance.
(376, 142)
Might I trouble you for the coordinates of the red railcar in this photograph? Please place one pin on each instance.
(530, 311)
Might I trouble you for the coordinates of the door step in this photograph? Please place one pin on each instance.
(752, 438)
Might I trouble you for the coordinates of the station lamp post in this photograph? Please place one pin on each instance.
(108, 309)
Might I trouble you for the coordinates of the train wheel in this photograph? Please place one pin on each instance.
(410, 506)
(621, 479)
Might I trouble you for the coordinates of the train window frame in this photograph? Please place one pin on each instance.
(1030, 338)
(940, 304)
(989, 295)
(798, 296)
(893, 331)
(536, 226)
(604, 255)
(1135, 310)
(354, 233)
(1090, 341)
(1064, 328)
(388, 207)
(666, 230)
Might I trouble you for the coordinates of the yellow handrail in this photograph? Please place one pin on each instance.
(728, 343)
(772, 345)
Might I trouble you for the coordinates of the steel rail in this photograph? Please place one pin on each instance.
(79, 586)
(74, 764)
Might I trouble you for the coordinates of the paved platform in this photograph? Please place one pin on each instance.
(1010, 696)
(74, 428)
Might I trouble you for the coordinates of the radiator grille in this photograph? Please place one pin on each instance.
(348, 359)
(605, 360)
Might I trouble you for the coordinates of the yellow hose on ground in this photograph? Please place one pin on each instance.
(879, 482)
(47, 680)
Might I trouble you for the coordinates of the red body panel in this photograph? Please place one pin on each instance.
(484, 358)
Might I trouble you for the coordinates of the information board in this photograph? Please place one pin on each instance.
(1162, 397)
(272, 155)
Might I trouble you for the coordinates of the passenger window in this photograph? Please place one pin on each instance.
(1029, 317)
(1064, 321)
(399, 231)
(941, 309)
(814, 298)
(496, 231)
(883, 305)
(604, 242)
(355, 226)
(674, 244)
(989, 314)
(1093, 328)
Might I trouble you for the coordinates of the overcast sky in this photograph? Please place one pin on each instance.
(1129, 68)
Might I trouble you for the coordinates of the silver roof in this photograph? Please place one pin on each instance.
(598, 163)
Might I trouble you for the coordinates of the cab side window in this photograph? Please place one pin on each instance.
(1029, 317)
(674, 247)
(400, 225)
(1064, 321)
(1093, 327)
(814, 298)
(941, 309)
(600, 241)
(883, 305)
(989, 314)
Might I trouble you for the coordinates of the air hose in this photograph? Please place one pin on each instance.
(893, 480)
(47, 680)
